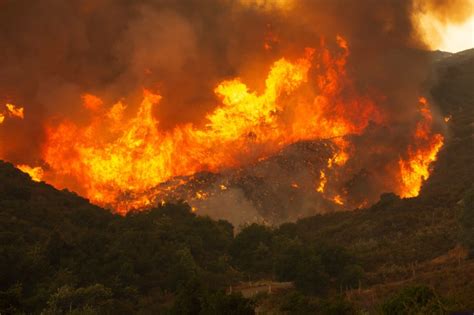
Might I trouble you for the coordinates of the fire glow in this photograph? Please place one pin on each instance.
(11, 111)
(421, 153)
(305, 98)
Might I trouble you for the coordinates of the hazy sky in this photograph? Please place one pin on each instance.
(448, 35)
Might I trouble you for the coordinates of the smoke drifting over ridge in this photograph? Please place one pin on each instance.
(54, 51)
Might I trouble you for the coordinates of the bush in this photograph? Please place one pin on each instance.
(414, 300)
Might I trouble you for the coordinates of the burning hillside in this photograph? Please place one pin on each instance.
(294, 115)
(119, 162)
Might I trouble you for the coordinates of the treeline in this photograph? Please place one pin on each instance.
(61, 255)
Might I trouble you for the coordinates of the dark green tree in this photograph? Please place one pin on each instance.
(232, 304)
(251, 249)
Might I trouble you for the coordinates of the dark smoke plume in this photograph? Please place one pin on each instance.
(52, 51)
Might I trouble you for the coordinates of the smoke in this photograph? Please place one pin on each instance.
(53, 51)
(230, 205)
(455, 11)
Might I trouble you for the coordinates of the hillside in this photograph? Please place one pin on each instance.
(453, 93)
(59, 252)
(61, 255)
(417, 241)
(284, 186)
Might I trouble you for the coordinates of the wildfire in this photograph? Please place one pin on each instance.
(36, 173)
(15, 111)
(421, 153)
(322, 182)
(115, 160)
(338, 200)
(92, 102)
(245, 127)
(11, 111)
(339, 158)
(201, 195)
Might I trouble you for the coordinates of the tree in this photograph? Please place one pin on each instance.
(334, 258)
(251, 249)
(297, 303)
(189, 298)
(311, 276)
(288, 254)
(185, 269)
(230, 304)
(92, 298)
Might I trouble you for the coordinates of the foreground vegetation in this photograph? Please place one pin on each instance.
(61, 255)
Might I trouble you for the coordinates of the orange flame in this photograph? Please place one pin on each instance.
(15, 111)
(36, 173)
(338, 200)
(247, 126)
(12, 111)
(92, 102)
(322, 182)
(421, 153)
(115, 160)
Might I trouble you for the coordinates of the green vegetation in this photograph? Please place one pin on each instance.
(59, 252)
(63, 255)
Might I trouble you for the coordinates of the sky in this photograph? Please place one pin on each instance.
(456, 38)
(448, 36)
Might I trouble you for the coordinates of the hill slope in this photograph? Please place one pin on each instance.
(60, 254)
